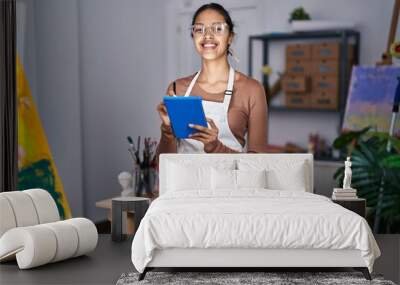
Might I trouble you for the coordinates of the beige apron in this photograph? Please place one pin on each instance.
(218, 112)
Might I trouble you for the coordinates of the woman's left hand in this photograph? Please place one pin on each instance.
(208, 136)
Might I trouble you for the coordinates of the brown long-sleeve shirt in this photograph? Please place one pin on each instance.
(247, 113)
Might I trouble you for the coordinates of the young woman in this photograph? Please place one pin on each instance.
(234, 104)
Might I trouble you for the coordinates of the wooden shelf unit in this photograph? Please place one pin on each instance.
(344, 36)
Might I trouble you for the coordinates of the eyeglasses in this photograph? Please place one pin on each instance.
(216, 29)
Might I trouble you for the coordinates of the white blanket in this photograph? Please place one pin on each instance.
(252, 218)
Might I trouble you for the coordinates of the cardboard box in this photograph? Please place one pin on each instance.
(324, 101)
(329, 50)
(295, 84)
(322, 83)
(298, 100)
(298, 51)
(325, 67)
(298, 67)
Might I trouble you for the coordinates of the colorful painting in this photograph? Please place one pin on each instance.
(370, 99)
(36, 168)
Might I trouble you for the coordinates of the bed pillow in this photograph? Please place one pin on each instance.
(223, 179)
(190, 175)
(294, 180)
(181, 178)
(236, 179)
(251, 178)
(281, 174)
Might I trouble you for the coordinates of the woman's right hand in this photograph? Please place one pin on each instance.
(162, 111)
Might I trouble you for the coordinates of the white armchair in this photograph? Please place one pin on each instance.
(31, 230)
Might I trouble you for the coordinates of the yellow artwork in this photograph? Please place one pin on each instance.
(36, 168)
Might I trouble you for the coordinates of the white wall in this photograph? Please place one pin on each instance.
(101, 68)
(26, 42)
(122, 74)
(58, 88)
(47, 42)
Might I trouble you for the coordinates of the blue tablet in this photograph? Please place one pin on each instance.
(183, 111)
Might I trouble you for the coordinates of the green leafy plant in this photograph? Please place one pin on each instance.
(299, 14)
(376, 175)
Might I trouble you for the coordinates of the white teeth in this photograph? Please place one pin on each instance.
(209, 45)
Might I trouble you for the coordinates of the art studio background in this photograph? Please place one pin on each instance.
(97, 69)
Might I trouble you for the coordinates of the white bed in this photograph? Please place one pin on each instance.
(229, 218)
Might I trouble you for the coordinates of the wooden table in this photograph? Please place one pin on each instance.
(128, 221)
(120, 205)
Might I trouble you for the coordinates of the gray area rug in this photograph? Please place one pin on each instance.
(243, 278)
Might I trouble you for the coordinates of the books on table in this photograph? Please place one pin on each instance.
(344, 194)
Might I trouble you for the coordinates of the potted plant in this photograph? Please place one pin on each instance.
(299, 14)
(376, 175)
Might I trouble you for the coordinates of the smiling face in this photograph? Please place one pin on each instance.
(210, 45)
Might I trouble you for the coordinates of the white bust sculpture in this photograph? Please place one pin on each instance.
(125, 179)
(347, 174)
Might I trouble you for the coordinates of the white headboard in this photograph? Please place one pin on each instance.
(209, 159)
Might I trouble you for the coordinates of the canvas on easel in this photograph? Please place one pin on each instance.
(370, 99)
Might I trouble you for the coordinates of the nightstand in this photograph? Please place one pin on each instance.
(128, 221)
(137, 205)
(357, 205)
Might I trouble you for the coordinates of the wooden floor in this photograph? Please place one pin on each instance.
(111, 259)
